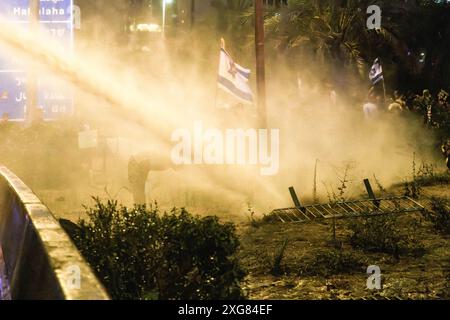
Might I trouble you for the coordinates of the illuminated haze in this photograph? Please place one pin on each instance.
(144, 99)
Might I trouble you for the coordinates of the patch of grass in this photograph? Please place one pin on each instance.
(445, 293)
(328, 262)
(254, 222)
(425, 176)
(413, 189)
(428, 176)
(384, 233)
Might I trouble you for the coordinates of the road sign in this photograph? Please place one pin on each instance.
(55, 98)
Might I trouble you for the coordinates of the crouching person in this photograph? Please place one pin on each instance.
(139, 167)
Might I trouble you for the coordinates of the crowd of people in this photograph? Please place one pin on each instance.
(435, 111)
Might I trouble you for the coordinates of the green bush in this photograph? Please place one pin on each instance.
(333, 261)
(384, 233)
(141, 254)
(440, 215)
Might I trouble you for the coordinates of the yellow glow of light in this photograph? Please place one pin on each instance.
(147, 27)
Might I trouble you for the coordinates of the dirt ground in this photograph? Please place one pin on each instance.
(411, 276)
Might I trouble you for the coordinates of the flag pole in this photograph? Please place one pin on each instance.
(222, 46)
(32, 82)
(384, 92)
(163, 18)
(384, 86)
(260, 63)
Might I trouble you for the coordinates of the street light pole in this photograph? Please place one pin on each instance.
(163, 17)
(260, 63)
(192, 13)
(32, 82)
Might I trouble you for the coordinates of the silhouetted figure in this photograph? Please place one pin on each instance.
(398, 104)
(370, 108)
(446, 152)
(139, 167)
(138, 170)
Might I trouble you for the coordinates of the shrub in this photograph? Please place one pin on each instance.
(428, 176)
(375, 233)
(198, 259)
(140, 254)
(254, 223)
(332, 262)
(425, 176)
(440, 215)
(382, 233)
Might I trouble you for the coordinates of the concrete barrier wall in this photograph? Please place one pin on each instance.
(37, 258)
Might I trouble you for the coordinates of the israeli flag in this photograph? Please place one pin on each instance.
(376, 73)
(233, 78)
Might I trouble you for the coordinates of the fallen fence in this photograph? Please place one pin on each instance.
(347, 209)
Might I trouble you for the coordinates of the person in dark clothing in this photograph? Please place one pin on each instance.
(446, 152)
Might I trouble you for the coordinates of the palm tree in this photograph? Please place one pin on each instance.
(334, 33)
(231, 21)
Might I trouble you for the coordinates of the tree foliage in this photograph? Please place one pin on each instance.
(413, 39)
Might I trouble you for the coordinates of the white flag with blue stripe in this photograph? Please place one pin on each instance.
(376, 73)
(233, 78)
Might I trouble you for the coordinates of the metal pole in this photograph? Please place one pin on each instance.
(295, 198)
(260, 63)
(371, 193)
(384, 88)
(164, 17)
(384, 95)
(32, 81)
(192, 13)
